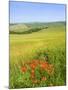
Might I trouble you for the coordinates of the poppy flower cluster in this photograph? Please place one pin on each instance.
(43, 66)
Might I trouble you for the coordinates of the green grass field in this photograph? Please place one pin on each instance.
(38, 45)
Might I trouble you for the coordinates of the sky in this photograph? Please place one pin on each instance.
(24, 12)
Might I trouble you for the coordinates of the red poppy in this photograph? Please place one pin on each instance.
(43, 65)
(33, 65)
(32, 74)
(43, 78)
(36, 62)
(24, 69)
(32, 71)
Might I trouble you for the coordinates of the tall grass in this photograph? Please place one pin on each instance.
(56, 57)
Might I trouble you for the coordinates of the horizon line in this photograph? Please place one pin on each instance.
(35, 22)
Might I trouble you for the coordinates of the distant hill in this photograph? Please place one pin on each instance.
(26, 28)
(18, 27)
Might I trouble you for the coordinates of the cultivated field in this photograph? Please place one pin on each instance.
(37, 55)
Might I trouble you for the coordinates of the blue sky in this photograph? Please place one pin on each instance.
(23, 12)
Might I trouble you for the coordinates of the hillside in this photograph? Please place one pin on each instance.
(27, 28)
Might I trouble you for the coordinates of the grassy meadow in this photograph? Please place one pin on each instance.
(37, 55)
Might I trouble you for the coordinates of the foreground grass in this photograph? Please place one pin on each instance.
(37, 46)
(56, 57)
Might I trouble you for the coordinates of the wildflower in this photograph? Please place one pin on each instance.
(43, 78)
(33, 66)
(32, 71)
(43, 65)
(24, 69)
(32, 74)
(36, 62)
